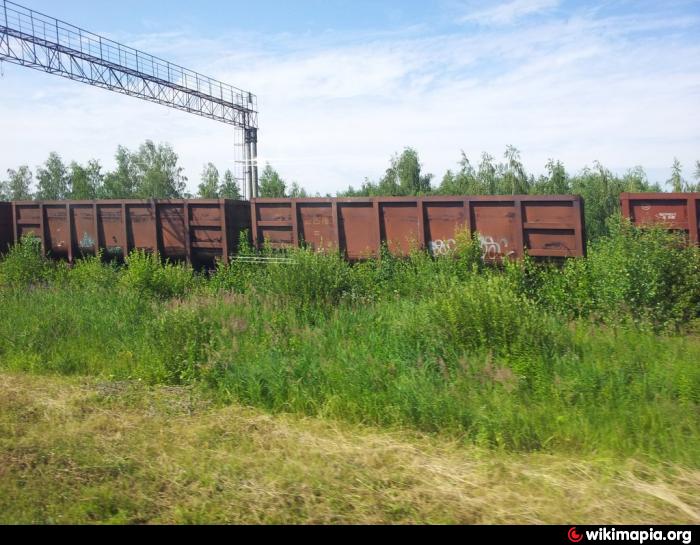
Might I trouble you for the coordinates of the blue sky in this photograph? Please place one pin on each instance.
(344, 84)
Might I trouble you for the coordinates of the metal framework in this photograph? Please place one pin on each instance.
(38, 41)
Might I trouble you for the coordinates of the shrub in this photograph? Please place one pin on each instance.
(239, 274)
(146, 274)
(24, 265)
(648, 276)
(92, 273)
(468, 253)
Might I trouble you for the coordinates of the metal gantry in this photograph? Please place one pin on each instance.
(32, 39)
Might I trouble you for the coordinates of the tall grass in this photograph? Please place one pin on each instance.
(589, 356)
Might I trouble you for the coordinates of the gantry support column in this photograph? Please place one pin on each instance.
(250, 147)
(254, 157)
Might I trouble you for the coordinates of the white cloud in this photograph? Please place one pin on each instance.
(508, 12)
(622, 90)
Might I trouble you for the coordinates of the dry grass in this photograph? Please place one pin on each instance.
(83, 451)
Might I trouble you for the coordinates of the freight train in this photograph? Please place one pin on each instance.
(201, 232)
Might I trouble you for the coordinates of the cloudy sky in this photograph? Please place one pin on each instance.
(343, 84)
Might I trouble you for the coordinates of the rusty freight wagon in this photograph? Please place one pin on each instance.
(675, 211)
(202, 231)
(547, 226)
(197, 231)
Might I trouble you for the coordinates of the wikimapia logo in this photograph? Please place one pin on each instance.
(574, 536)
(634, 536)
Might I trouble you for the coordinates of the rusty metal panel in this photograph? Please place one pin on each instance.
(273, 223)
(675, 211)
(141, 226)
(27, 220)
(276, 212)
(400, 226)
(671, 213)
(553, 228)
(315, 225)
(359, 232)
(206, 231)
(85, 238)
(497, 227)
(110, 230)
(56, 230)
(198, 231)
(444, 219)
(171, 230)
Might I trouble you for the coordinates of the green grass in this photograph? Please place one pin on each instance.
(597, 356)
(85, 450)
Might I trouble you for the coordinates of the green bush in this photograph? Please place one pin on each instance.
(240, 273)
(647, 276)
(24, 265)
(92, 273)
(146, 274)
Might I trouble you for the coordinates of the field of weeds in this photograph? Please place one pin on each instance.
(520, 380)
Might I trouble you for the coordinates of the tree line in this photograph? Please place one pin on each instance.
(152, 171)
(599, 187)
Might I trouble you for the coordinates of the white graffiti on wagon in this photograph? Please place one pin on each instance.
(491, 248)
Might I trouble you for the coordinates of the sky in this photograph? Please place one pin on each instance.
(342, 85)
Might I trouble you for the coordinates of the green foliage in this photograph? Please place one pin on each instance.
(272, 186)
(178, 345)
(490, 178)
(297, 192)
(209, 188)
(91, 273)
(53, 181)
(467, 253)
(647, 276)
(555, 182)
(678, 183)
(312, 278)
(18, 185)
(24, 266)
(580, 356)
(601, 191)
(147, 275)
(157, 172)
(239, 274)
(404, 177)
(86, 182)
(229, 187)
(150, 172)
(121, 183)
(481, 314)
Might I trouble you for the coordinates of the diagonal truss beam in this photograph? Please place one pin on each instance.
(35, 40)
(32, 39)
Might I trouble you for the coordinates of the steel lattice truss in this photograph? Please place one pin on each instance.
(41, 42)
